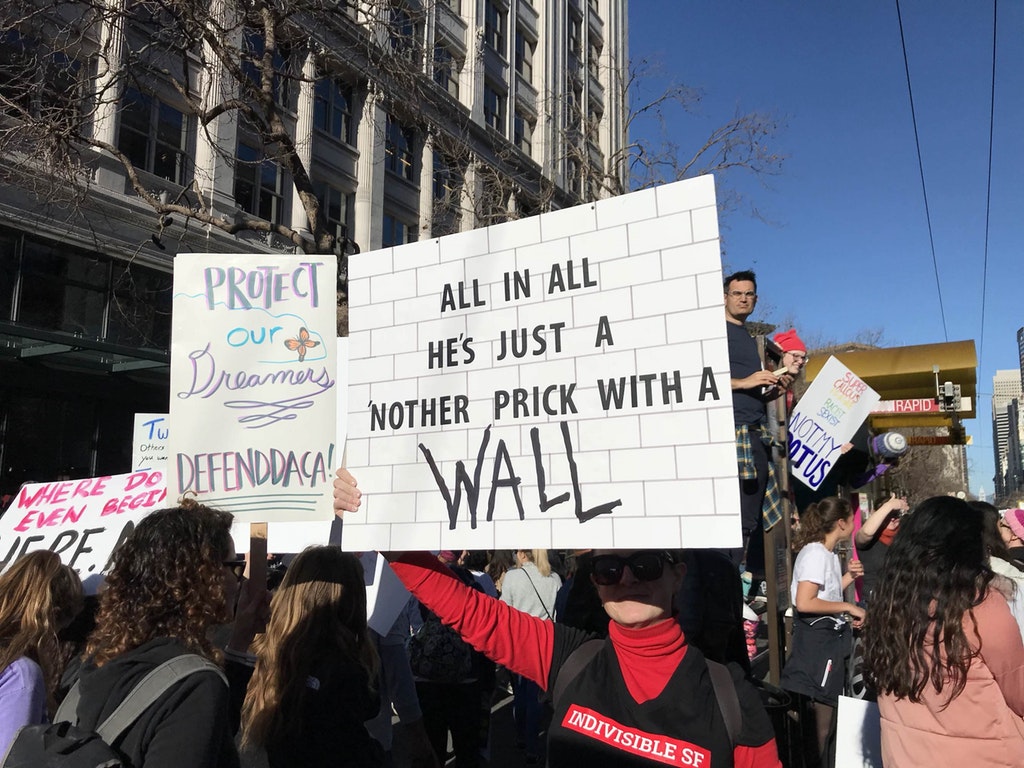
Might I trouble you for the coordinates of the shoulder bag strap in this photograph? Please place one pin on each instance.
(67, 712)
(728, 700)
(151, 688)
(572, 666)
(537, 593)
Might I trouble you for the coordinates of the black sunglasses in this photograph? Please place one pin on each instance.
(645, 566)
(237, 567)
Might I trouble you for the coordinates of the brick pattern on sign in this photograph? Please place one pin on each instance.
(558, 381)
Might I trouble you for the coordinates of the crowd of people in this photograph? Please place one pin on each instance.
(631, 657)
(296, 678)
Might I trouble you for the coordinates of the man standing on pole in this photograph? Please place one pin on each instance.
(752, 388)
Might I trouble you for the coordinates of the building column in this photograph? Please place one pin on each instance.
(427, 187)
(216, 144)
(304, 140)
(472, 189)
(109, 85)
(369, 198)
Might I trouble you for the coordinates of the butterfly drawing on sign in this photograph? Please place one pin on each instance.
(302, 343)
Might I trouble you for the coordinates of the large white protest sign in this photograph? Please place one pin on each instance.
(81, 520)
(826, 417)
(149, 441)
(557, 381)
(253, 377)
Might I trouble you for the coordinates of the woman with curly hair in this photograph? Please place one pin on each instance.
(172, 580)
(39, 596)
(311, 691)
(822, 639)
(942, 647)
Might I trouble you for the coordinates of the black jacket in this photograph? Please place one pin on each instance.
(187, 726)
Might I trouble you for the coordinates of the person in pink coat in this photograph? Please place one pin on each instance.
(942, 647)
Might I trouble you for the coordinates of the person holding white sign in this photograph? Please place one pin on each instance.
(645, 698)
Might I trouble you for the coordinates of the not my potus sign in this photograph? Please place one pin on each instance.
(559, 381)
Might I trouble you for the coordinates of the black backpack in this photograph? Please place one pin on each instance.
(63, 744)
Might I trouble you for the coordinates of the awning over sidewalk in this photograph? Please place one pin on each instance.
(900, 373)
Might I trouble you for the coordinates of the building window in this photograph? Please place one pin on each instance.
(404, 34)
(140, 313)
(594, 58)
(522, 133)
(575, 41)
(336, 207)
(494, 26)
(153, 136)
(396, 232)
(37, 83)
(574, 175)
(447, 180)
(258, 184)
(494, 108)
(446, 70)
(594, 124)
(252, 60)
(524, 57)
(398, 148)
(62, 290)
(573, 108)
(332, 112)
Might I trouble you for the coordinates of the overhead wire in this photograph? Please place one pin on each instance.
(920, 165)
(988, 193)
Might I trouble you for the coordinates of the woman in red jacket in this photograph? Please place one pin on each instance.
(645, 698)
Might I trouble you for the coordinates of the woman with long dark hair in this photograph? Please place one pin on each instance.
(39, 596)
(173, 579)
(311, 691)
(943, 649)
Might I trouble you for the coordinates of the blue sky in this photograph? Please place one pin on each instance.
(846, 245)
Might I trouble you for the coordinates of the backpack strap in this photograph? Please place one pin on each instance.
(573, 665)
(728, 700)
(146, 692)
(151, 688)
(67, 712)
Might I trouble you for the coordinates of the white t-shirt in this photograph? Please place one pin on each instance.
(817, 564)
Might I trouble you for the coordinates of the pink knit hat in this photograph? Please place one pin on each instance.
(1015, 519)
(788, 341)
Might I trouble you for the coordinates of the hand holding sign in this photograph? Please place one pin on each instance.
(346, 494)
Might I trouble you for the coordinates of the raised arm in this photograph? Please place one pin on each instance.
(514, 639)
(868, 532)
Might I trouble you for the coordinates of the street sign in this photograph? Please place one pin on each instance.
(917, 405)
(937, 440)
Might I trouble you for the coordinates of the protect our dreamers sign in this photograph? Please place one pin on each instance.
(81, 520)
(827, 416)
(253, 384)
(556, 381)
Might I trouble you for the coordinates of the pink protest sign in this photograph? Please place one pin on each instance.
(81, 520)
